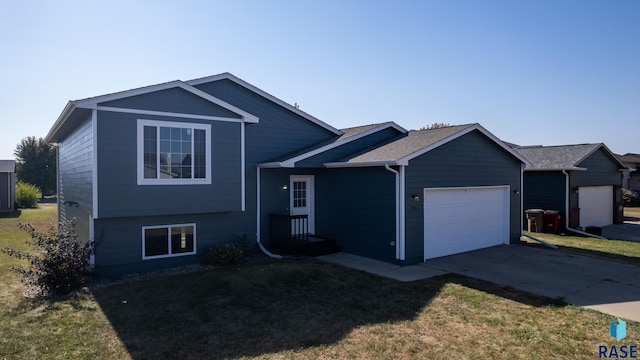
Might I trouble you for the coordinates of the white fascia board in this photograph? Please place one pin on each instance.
(166, 113)
(291, 162)
(405, 160)
(245, 115)
(266, 95)
(68, 109)
(360, 164)
(93, 102)
(270, 165)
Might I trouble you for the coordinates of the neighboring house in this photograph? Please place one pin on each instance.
(159, 174)
(582, 181)
(7, 185)
(631, 178)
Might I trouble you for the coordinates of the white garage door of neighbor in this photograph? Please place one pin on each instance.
(596, 205)
(463, 219)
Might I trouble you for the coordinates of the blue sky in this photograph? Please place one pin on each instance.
(531, 72)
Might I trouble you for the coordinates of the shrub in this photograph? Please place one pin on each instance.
(223, 254)
(58, 261)
(630, 197)
(27, 195)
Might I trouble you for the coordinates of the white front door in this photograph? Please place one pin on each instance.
(302, 202)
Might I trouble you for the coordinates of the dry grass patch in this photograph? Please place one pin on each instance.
(618, 250)
(632, 213)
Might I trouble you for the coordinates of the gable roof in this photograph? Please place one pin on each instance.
(7, 166)
(91, 103)
(416, 143)
(246, 85)
(348, 135)
(562, 157)
(629, 158)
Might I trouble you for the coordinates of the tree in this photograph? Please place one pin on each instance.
(435, 126)
(36, 163)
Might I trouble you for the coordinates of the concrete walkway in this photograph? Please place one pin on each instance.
(606, 286)
(628, 231)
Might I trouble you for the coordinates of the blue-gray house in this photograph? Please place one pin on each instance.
(7, 185)
(159, 174)
(582, 181)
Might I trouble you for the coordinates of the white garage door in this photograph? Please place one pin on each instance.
(596, 205)
(464, 219)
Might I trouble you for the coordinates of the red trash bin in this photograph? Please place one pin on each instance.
(552, 221)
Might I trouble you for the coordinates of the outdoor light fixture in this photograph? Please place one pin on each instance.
(285, 187)
(415, 197)
(516, 192)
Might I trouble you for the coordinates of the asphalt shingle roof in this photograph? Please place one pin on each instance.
(564, 157)
(7, 166)
(629, 158)
(353, 131)
(415, 141)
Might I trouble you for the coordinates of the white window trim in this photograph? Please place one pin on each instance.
(168, 227)
(140, 156)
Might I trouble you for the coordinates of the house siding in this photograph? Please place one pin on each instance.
(126, 207)
(75, 177)
(279, 132)
(544, 190)
(175, 100)
(601, 170)
(119, 194)
(119, 240)
(352, 148)
(468, 161)
(357, 208)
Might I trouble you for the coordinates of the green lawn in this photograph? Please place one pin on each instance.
(295, 309)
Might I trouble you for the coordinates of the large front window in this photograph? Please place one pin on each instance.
(168, 241)
(173, 153)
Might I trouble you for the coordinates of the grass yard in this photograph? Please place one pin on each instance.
(619, 250)
(632, 213)
(294, 309)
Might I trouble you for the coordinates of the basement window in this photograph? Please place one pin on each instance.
(168, 241)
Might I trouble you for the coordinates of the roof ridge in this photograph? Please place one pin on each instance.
(361, 126)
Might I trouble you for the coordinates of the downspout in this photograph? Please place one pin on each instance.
(566, 217)
(264, 250)
(397, 174)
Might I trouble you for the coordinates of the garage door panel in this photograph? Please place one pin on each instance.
(458, 220)
(596, 205)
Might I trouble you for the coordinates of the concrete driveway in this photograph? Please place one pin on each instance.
(602, 285)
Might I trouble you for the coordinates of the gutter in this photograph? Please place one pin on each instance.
(566, 217)
(264, 250)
